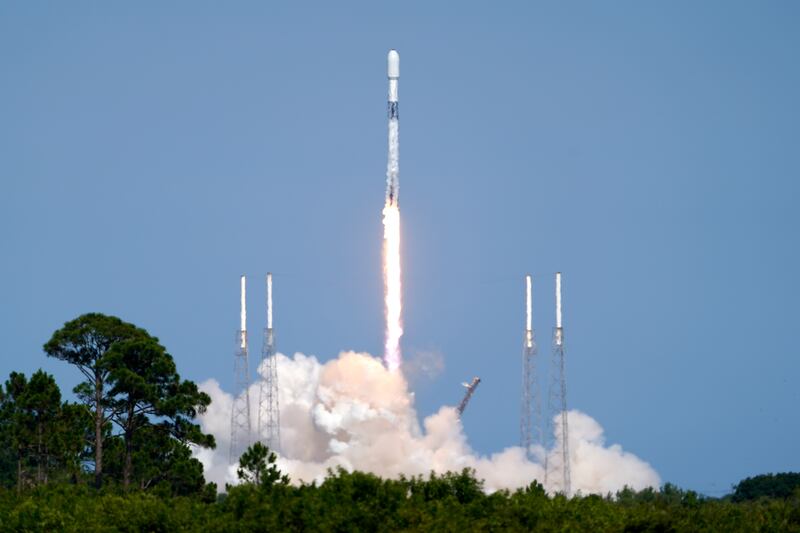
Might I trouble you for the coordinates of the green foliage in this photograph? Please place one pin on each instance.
(357, 501)
(257, 466)
(85, 342)
(131, 382)
(767, 485)
(159, 463)
(144, 387)
(41, 437)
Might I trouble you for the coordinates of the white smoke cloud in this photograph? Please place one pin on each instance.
(354, 413)
(422, 366)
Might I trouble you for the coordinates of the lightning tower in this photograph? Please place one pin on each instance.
(557, 467)
(240, 410)
(530, 414)
(269, 417)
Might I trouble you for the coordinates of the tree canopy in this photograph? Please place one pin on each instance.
(781, 485)
(131, 384)
(257, 466)
(85, 343)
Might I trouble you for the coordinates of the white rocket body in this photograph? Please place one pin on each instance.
(393, 165)
(393, 72)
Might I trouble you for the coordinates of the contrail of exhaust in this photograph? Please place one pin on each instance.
(391, 225)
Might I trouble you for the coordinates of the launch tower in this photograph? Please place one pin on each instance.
(530, 414)
(269, 417)
(557, 467)
(471, 386)
(240, 410)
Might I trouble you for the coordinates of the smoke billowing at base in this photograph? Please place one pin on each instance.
(352, 412)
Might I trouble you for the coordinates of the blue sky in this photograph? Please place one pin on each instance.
(151, 153)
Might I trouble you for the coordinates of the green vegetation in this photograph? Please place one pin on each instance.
(767, 486)
(119, 460)
(363, 502)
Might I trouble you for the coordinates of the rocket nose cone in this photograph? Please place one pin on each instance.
(393, 62)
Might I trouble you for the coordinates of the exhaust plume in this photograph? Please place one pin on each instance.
(355, 413)
(392, 285)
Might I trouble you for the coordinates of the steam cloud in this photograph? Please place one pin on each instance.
(354, 413)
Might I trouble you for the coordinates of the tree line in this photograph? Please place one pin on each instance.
(119, 458)
(132, 424)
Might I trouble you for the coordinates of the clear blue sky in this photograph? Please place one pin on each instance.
(152, 152)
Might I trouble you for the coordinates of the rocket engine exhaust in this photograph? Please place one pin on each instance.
(391, 225)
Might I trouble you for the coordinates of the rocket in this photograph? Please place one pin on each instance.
(393, 167)
(393, 64)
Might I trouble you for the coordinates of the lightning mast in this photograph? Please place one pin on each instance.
(240, 410)
(530, 413)
(557, 467)
(269, 417)
(470, 391)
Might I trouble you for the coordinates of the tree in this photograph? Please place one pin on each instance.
(781, 485)
(41, 406)
(257, 466)
(160, 464)
(85, 342)
(74, 431)
(42, 435)
(16, 424)
(147, 392)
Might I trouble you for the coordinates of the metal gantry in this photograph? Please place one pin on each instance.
(530, 426)
(467, 395)
(240, 409)
(557, 462)
(269, 418)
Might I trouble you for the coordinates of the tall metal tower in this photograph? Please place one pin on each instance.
(471, 386)
(557, 467)
(530, 427)
(240, 411)
(269, 416)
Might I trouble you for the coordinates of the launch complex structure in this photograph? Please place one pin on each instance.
(240, 410)
(550, 433)
(543, 439)
(268, 423)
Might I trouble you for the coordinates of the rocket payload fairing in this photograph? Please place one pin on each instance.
(393, 167)
(393, 67)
